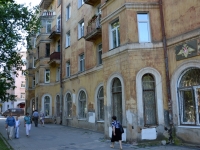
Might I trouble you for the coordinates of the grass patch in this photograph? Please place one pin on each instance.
(3, 145)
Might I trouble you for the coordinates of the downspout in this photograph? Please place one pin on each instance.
(61, 83)
(166, 64)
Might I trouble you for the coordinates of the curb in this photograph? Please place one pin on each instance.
(6, 142)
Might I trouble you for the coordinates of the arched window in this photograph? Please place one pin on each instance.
(189, 97)
(69, 105)
(82, 105)
(58, 105)
(100, 104)
(117, 99)
(149, 101)
(47, 105)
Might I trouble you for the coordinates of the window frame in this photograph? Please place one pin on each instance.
(68, 101)
(80, 3)
(81, 30)
(68, 39)
(82, 110)
(117, 37)
(33, 82)
(81, 62)
(22, 95)
(68, 67)
(48, 23)
(23, 84)
(99, 50)
(47, 71)
(98, 105)
(148, 27)
(68, 12)
(58, 74)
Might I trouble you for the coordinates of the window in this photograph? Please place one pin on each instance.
(69, 106)
(33, 84)
(47, 76)
(115, 35)
(68, 69)
(22, 95)
(100, 104)
(68, 39)
(68, 12)
(81, 63)
(23, 84)
(47, 105)
(58, 74)
(58, 2)
(82, 105)
(48, 26)
(33, 104)
(47, 49)
(36, 103)
(80, 3)
(34, 42)
(149, 101)
(23, 72)
(189, 97)
(117, 98)
(38, 50)
(34, 62)
(58, 24)
(81, 29)
(99, 54)
(58, 46)
(58, 105)
(37, 77)
(143, 27)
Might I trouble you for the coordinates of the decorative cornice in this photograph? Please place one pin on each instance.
(135, 5)
(132, 47)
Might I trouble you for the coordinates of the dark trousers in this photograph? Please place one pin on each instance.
(36, 121)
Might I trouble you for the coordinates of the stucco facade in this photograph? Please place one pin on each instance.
(111, 60)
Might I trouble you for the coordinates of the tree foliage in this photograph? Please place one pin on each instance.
(17, 24)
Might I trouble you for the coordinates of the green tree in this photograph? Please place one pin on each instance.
(17, 24)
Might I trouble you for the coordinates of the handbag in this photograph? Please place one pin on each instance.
(121, 128)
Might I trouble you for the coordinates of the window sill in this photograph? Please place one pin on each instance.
(67, 47)
(100, 121)
(191, 127)
(80, 38)
(82, 119)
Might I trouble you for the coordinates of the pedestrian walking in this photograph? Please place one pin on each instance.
(35, 117)
(17, 124)
(42, 118)
(10, 125)
(27, 124)
(116, 133)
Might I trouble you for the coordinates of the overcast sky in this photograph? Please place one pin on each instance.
(33, 2)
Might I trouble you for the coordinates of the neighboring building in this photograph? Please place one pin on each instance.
(19, 91)
(109, 57)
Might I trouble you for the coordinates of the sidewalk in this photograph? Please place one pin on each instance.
(58, 137)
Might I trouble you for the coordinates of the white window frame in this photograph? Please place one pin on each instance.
(68, 39)
(117, 38)
(33, 83)
(58, 45)
(68, 67)
(80, 110)
(48, 23)
(142, 29)
(82, 62)
(50, 105)
(58, 74)
(68, 12)
(58, 24)
(47, 71)
(22, 95)
(81, 29)
(80, 3)
(67, 102)
(98, 100)
(99, 50)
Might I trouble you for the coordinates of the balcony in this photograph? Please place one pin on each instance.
(54, 59)
(45, 4)
(55, 32)
(92, 2)
(47, 14)
(94, 28)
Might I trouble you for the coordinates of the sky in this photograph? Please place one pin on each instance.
(33, 2)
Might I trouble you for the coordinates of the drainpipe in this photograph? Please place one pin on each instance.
(166, 64)
(61, 83)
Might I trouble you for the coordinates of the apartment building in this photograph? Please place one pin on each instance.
(136, 59)
(19, 91)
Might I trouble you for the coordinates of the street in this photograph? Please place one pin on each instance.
(58, 137)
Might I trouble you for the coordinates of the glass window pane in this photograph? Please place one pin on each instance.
(114, 39)
(142, 17)
(188, 107)
(143, 31)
